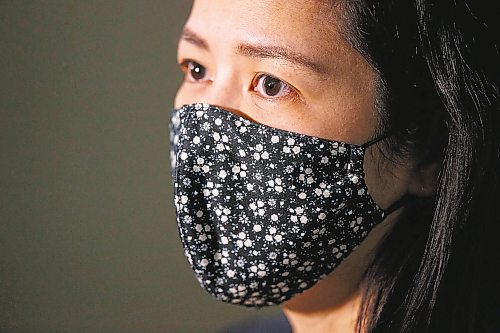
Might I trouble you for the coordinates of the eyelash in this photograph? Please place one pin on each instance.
(291, 93)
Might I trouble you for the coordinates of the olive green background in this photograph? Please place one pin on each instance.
(88, 241)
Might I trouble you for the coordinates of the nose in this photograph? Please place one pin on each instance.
(225, 91)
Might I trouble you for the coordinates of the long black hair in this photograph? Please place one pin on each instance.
(439, 77)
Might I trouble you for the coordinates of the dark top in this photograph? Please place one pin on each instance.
(275, 324)
(279, 324)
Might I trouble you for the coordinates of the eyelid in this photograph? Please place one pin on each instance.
(184, 63)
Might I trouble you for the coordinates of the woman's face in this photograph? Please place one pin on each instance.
(286, 65)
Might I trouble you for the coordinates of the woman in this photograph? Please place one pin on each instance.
(344, 162)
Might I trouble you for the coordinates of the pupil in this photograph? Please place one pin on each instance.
(197, 71)
(272, 86)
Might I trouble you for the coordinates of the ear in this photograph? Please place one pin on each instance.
(424, 180)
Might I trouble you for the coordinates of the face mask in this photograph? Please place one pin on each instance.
(263, 213)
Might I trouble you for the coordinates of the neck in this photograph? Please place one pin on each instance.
(340, 318)
(333, 304)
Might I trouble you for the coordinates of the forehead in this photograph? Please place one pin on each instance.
(307, 26)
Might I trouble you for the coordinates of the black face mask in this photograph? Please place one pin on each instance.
(264, 213)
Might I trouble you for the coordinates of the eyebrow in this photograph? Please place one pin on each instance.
(264, 51)
(261, 51)
(192, 38)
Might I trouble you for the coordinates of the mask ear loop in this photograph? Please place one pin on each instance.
(396, 205)
(376, 140)
(404, 199)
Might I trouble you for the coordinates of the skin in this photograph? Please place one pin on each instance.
(328, 91)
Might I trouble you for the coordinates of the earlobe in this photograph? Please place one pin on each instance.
(424, 180)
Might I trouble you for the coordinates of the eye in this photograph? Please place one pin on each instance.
(194, 71)
(270, 87)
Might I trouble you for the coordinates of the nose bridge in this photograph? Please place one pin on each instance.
(226, 91)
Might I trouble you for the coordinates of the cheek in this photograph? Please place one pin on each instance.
(387, 181)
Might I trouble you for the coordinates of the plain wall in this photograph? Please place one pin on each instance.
(88, 241)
